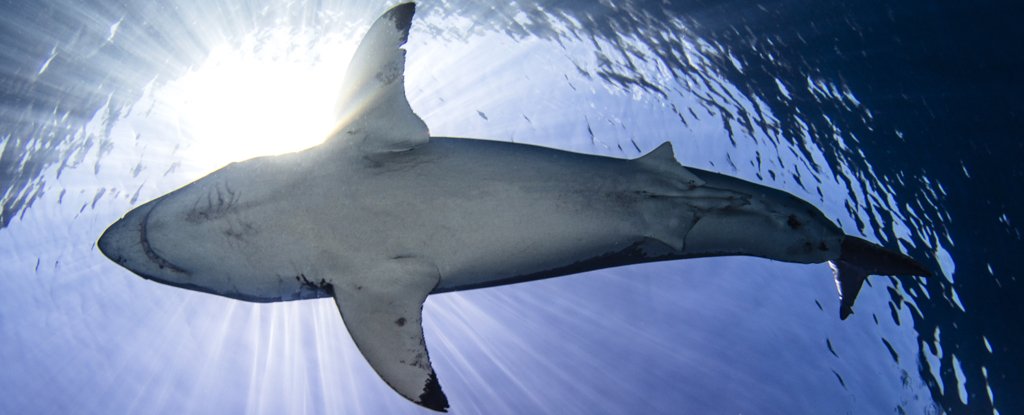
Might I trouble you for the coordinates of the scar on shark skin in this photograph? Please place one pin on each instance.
(321, 285)
(216, 207)
(242, 232)
(793, 222)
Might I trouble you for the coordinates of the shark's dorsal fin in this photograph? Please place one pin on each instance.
(663, 159)
(382, 309)
(373, 112)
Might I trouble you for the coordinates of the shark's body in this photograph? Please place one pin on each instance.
(282, 224)
(382, 215)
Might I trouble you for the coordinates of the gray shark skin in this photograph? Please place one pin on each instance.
(381, 215)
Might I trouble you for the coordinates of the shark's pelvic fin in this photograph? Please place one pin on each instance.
(664, 154)
(858, 259)
(373, 112)
(383, 312)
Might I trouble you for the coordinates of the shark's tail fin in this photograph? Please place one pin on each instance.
(858, 259)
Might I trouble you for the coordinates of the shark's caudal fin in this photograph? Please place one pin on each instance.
(858, 259)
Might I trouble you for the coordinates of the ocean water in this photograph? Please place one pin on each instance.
(901, 121)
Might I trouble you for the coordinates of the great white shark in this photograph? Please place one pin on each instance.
(381, 215)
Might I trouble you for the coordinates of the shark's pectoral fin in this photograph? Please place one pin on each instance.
(383, 313)
(373, 112)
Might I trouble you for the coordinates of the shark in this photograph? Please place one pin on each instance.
(381, 215)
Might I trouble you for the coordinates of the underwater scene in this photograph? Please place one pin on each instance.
(900, 122)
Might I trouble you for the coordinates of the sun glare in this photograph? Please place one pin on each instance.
(270, 96)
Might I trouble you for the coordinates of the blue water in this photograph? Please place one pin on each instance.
(901, 121)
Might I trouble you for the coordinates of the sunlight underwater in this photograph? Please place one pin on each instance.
(725, 334)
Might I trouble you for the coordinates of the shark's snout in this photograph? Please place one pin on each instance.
(121, 238)
(126, 242)
(106, 244)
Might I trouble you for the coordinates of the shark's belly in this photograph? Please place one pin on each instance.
(482, 213)
(498, 219)
(501, 245)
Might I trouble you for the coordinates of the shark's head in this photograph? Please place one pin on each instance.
(197, 237)
(127, 243)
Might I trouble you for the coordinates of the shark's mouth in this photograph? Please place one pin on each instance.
(148, 250)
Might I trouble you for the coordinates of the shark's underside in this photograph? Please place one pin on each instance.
(381, 215)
